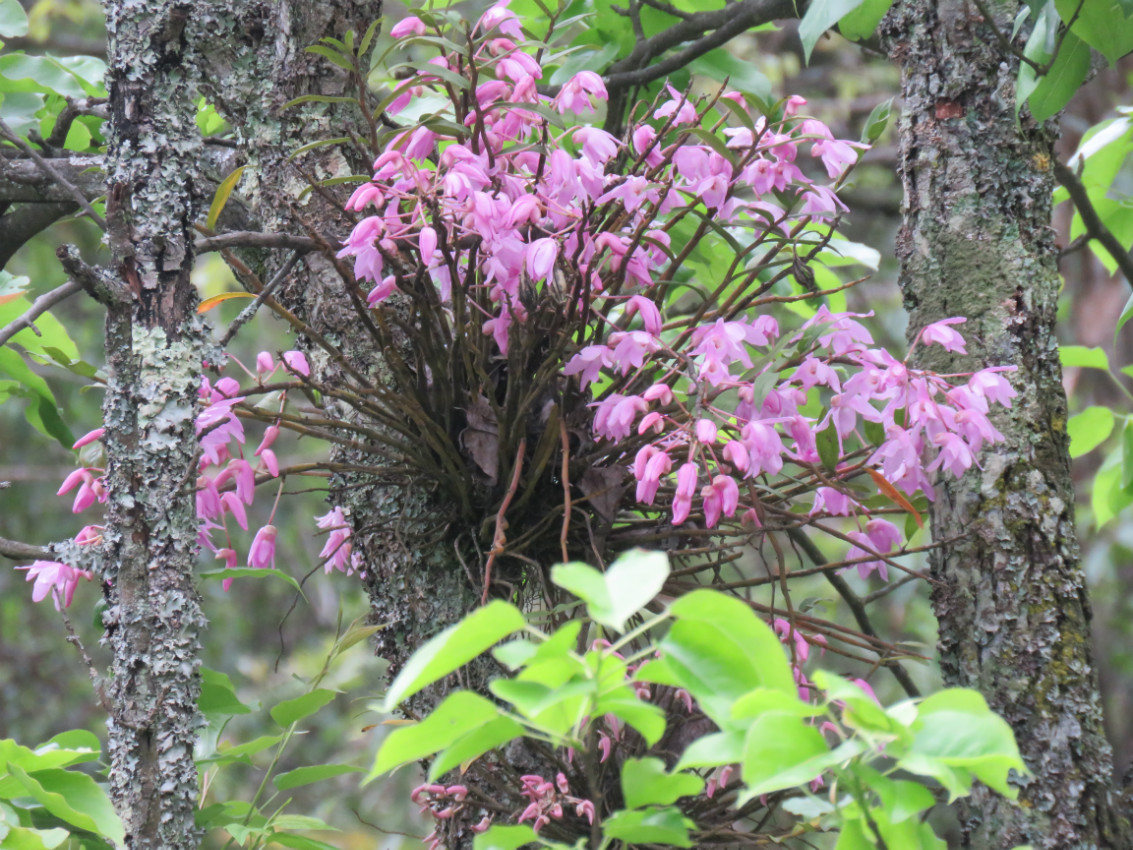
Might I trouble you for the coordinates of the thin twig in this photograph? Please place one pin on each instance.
(248, 312)
(857, 608)
(1095, 228)
(38, 307)
(48, 169)
(499, 539)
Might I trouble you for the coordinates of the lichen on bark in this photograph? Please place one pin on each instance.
(1009, 591)
(155, 346)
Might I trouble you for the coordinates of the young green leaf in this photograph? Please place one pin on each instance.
(616, 595)
(313, 773)
(820, 16)
(292, 710)
(460, 713)
(453, 648)
(646, 782)
(1089, 429)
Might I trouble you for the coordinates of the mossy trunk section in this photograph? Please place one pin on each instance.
(258, 64)
(154, 351)
(1009, 591)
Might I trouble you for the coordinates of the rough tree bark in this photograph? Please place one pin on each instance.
(1009, 590)
(154, 349)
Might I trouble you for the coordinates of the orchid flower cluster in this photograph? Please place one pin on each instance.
(226, 487)
(495, 194)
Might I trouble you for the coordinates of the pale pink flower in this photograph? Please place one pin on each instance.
(575, 95)
(89, 437)
(942, 334)
(262, 552)
(407, 26)
(337, 550)
(296, 361)
(229, 556)
(679, 105)
(59, 580)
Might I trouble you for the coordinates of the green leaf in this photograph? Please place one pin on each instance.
(49, 756)
(251, 572)
(472, 745)
(820, 16)
(453, 648)
(41, 411)
(505, 838)
(1103, 24)
(299, 842)
(1089, 429)
(781, 751)
(1107, 498)
(1127, 456)
(333, 56)
(877, 121)
(218, 695)
(718, 650)
(20, 838)
(71, 76)
(720, 65)
(647, 719)
(651, 826)
(241, 752)
(13, 19)
(1055, 88)
(73, 797)
(646, 782)
(862, 21)
(827, 444)
(1126, 315)
(292, 710)
(300, 822)
(313, 773)
(714, 750)
(223, 193)
(957, 737)
(460, 713)
(613, 597)
(1082, 356)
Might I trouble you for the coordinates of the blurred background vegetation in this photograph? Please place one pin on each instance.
(267, 639)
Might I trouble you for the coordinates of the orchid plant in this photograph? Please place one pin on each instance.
(562, 285)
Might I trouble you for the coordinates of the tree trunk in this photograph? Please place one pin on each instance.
(1009, 591)
(154, 351)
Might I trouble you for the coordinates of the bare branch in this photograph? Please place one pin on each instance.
(21, 224)
(18, 551)
(721, 26)
(50, 170)
(99, 285)
(38, 307)
(1095, 227)
(251, 239)
(22, 181)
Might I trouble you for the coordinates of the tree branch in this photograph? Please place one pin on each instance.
(856, 606)
(251, 239)
(18, 551)
(20, 225)
(38, 307)
(50, 170)
(22, 181)
(721, 25)
(1095, 228)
